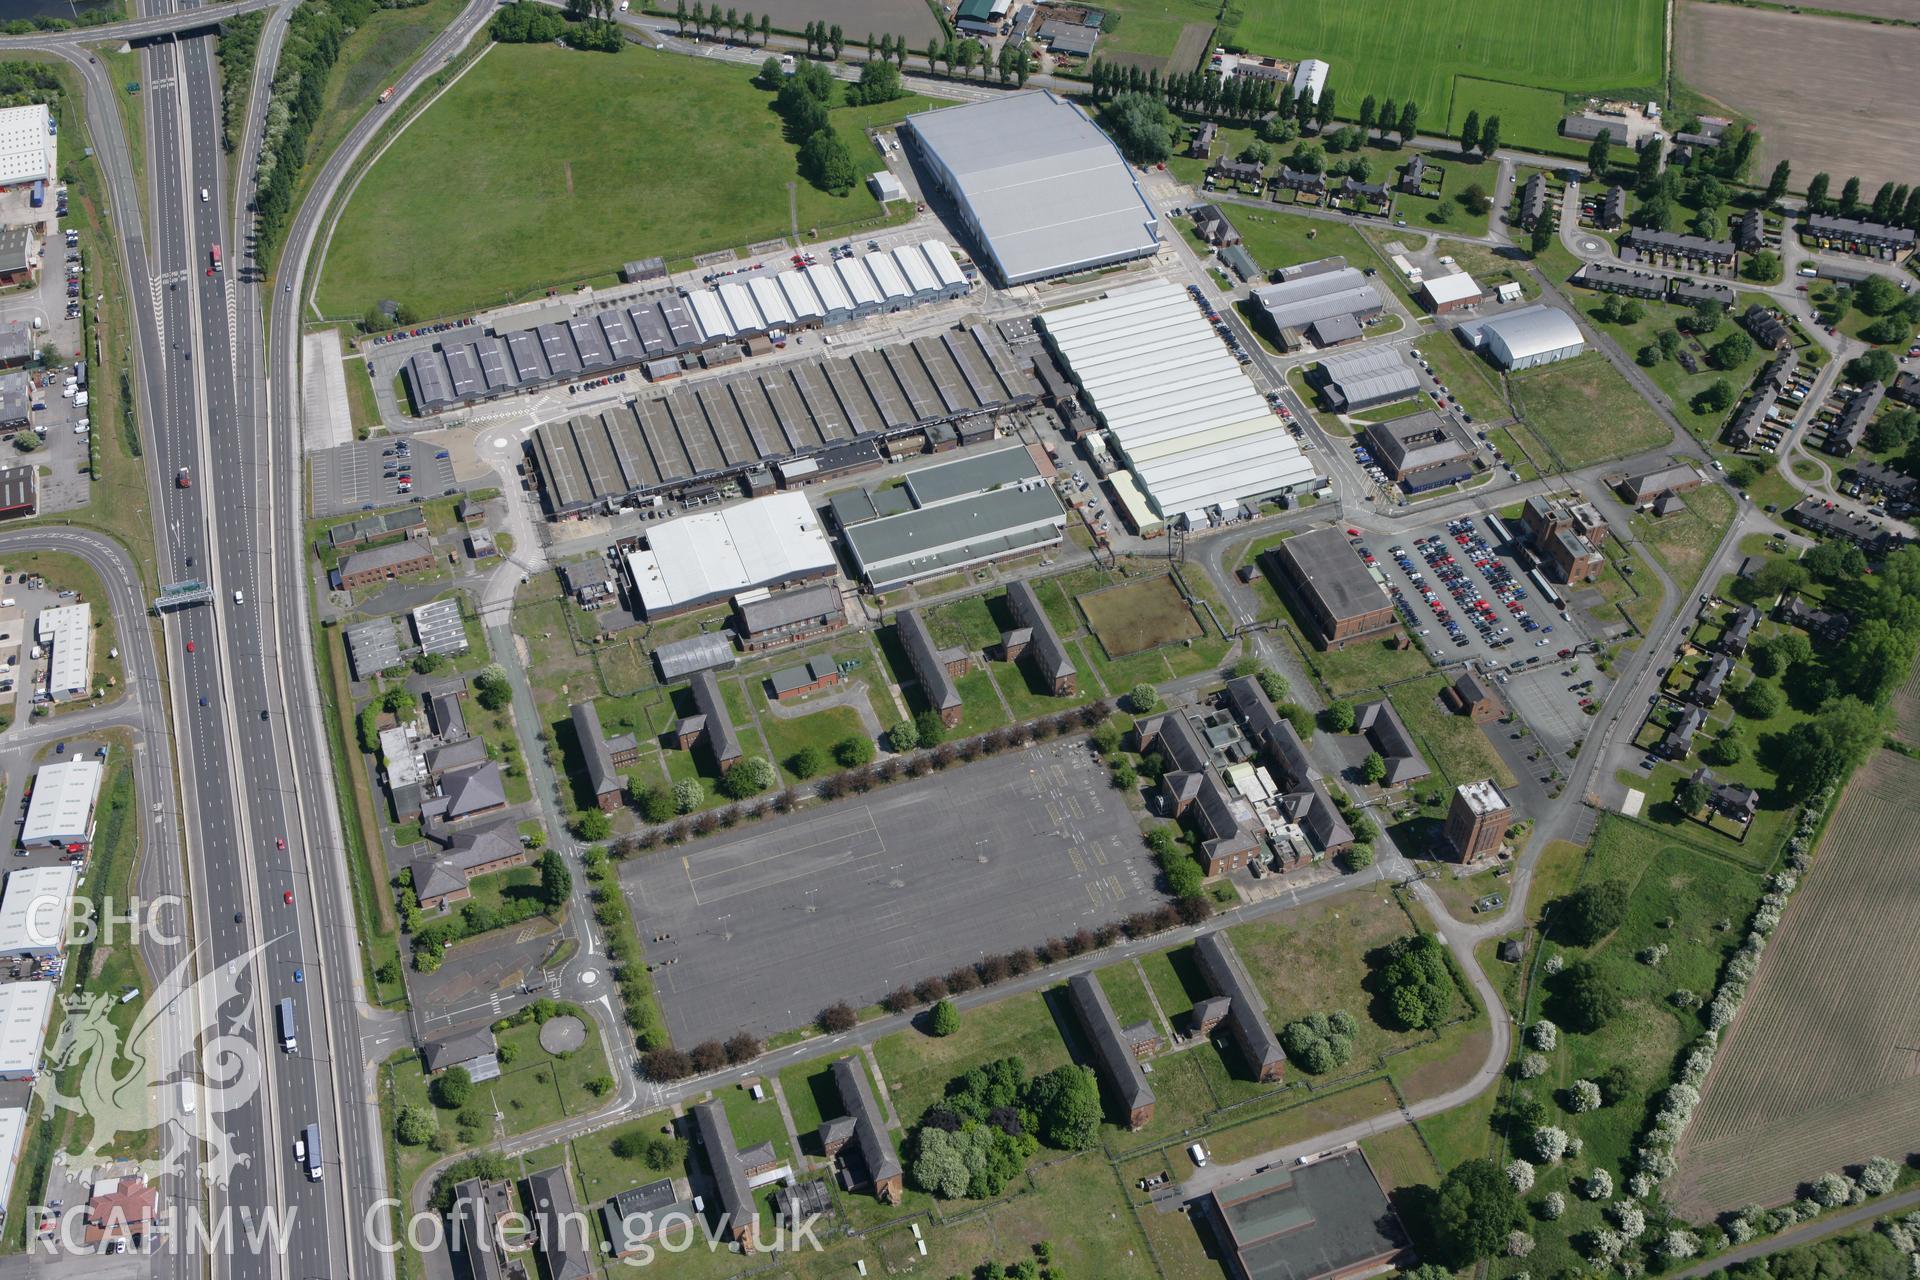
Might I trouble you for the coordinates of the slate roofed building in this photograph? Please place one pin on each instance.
(1360, 379)
(879, 1165)
(1677, 244)
(1044, 649)
(710, 724)
(1612, 212)
(784, 617)
(1114, 1062)
(1766, 327)
(931, 666)
(1310, 307)
(1860, 236)
(599, 754)
(560, 1230)
(1533, 200)
(732, 1199)
(1388, 735)
(634, 1216)
(1246, 1014)
(1750, 231)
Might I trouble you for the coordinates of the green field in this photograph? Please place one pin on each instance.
(1509, 58)
(1586, 411)
(602, 160)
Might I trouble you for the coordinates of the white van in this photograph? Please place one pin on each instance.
(239, 598)
(187, 1093)
(1198, 1154)
(203, 195)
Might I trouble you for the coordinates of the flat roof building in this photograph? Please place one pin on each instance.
(33, 910)
(60, 812)
(27, 145)
(1523, 339)
(1177, 406)
(377, 564)
(13, 1132)
(1042, 190)
(1451, 292)
(26, 1009)
(1332, 587)
(710, 555)
(19, 492)
(1477, 820)
(66, 633)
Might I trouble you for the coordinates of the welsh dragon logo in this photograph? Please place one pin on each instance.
(120, 1082)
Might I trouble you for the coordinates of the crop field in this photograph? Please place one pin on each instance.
(1734, 55)
(1818, 1066)
(660, 154)
(1906, 709)
(1139, 616)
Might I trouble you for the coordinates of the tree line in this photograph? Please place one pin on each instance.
(315, 33)
(802, 102)
(1895, 204)
(236, 49)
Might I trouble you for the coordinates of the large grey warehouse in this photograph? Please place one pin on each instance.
(708, 430)
(1041, 189)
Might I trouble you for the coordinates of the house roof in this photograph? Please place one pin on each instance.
(723, 1158)
(593, 749)
(786, 608)
(712, 709)
(1113, 1057)
(1048, 653)
(461, 1047)
(473, 789)
(1221, 968)
(928, 664)
(870, 1124)
(558, 1225)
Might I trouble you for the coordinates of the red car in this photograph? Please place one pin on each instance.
(288, 897)
(189, 646)
(280, 842)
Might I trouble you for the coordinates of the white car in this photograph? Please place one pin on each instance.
(239, 597)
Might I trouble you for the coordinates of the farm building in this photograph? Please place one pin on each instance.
(1523, 339)
(1041, 190)
(1361, 379)
(1179, 409)
(710, 555)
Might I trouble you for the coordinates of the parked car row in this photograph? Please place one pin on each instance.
(423, 331)
(597, 382)
(1220, 326)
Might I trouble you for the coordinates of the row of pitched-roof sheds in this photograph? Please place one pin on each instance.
(466, 369)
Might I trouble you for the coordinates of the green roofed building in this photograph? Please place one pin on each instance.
(1317, 1221)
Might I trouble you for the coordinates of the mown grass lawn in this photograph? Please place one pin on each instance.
(601, 160)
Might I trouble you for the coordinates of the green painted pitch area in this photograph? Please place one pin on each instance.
(545, 166)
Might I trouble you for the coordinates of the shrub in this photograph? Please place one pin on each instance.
(1549, 1143)
(688, 794)
(415, 1126)
(1143, 699)
(1591, 1001)
(945, 1019)
(904, 736)
(1319, 1042)
(1520, 1176)
(1418, 985)
(853, 751)
(806, 762)
(1532, 1066)
(1583, 1096)
(452, 1088)
(741, 1047)
(837, 1017)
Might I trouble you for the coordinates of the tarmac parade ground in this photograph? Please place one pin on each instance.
(766, 926)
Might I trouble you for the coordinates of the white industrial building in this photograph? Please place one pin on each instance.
(1182, 413)
(1041, 189)
(60, 813)
(827, 292)
(34, 911)
(1525, 338)
(1310, 77)
(13, 1134)
(26, 1009)
(67, 635)
(27, 145)
(711, 555)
